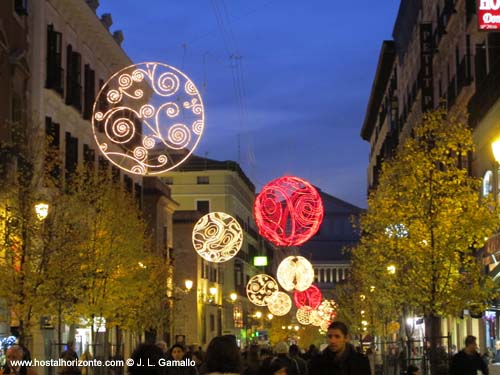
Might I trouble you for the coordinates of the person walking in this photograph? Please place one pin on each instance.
(223, 357)
(14, 355)
(468, 361)
(294, 353)
(339, 357)
(178, 353)
(71, 358)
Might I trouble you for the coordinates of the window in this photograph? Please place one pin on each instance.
(54, 70)
(103, 164)
(168, 180)
(88, 157)
(212, 323)
(89, 92)
(21, 7)
(73, 78)
(54, 139)
(115, 174)
(202, 180)
(203, 207)
(71, 154)
(487, 183)
(138, 196)
(480, 63)
(127, 181)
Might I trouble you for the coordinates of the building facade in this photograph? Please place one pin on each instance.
(439, 57)
(201, 186)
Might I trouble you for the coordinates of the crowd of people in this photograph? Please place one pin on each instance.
(224, 357)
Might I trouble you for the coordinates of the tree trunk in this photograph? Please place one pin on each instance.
(433, 342)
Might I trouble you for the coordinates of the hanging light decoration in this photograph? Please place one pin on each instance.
(260, 288)
(288, 211)
(148, 118)
(279, 303)
(304, 315)
(217, 237)
(315, 318)
(325, 324)
(327, 310)
(295, 272)
(310, 297)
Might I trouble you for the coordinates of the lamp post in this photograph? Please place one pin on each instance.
(42, 210)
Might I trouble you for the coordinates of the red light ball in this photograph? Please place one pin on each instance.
(288, 211)
(310, 297)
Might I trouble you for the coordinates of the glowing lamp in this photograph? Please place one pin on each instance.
(310, 297)
(304, 315)
(327, 310)
(258, 315)
(495, 146)
(188, 284)
(279, 304)
(217, 237)
(148, 118)
(288, 211)
(295, 272)
(212, 290)
(260, 288)
(233, 296)
(42, 210)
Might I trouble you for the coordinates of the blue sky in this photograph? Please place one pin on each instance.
(285, 83)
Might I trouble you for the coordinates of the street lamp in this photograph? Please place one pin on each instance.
(258, 315)
(188, 284)
(42, 210)
(213, 291)
(391, 269)
(495, 146)
(233, 296)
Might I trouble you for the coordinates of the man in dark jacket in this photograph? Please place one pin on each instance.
(468, 361)
(340, 357)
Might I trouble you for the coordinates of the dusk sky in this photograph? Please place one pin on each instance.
(289, 79)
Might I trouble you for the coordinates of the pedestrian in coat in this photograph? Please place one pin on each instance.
(468, 361)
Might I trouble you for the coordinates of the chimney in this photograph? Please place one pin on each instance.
(118, 37)
(106, 20)
(93, 4)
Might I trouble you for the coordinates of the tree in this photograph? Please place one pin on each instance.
(427, 220)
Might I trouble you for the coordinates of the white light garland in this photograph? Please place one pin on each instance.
(304, 315)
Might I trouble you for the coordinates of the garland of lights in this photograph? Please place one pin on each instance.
(217, 237)
(316, 319)
(295, 272)
(279, 304)
(310, 297)
(148, 118)
(328, 309)
(288, 211)
(260, 288)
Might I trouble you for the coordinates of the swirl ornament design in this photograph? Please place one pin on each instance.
(260, 288)
(148, 118)
(217, 237)
(288, 211)
(304, 315)
(279, 303)
(311, 297)
(295, 273)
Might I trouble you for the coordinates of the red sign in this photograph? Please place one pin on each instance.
(488, 14)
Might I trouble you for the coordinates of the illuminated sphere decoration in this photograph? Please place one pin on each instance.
(148, 118)
(325, 324)
(288, 211)
(279, 304)
(260, 288)
(310, 297)
(328, 309)
(295, 273)
(304, 315)
(217, 237)
(316, 319)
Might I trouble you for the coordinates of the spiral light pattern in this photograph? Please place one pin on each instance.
(295, 273)
(260, 288)
(217, 237)
(148, 118)
(288, 211)
(279, 303)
